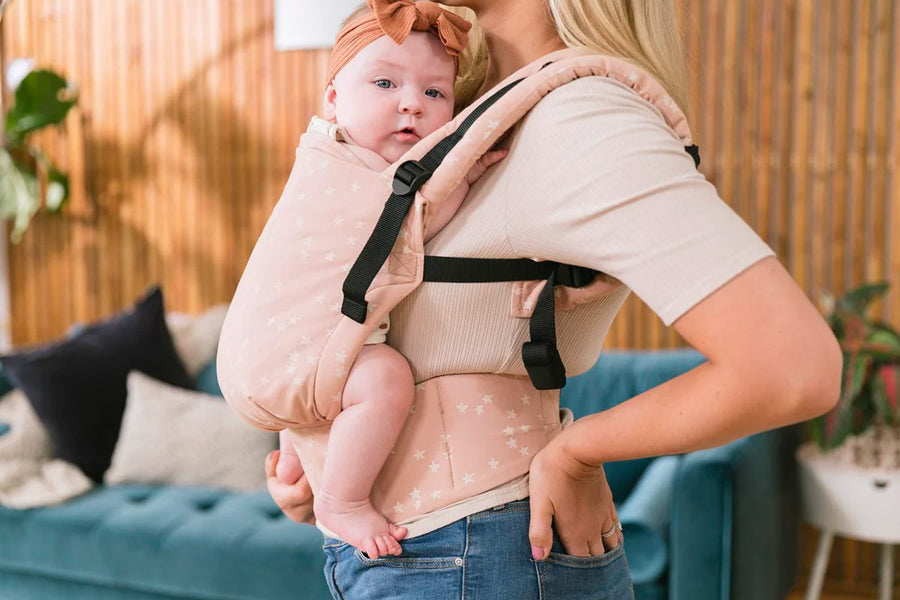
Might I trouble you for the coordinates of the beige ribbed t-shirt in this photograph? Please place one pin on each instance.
(595, 177)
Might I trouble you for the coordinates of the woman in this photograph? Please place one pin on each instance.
(594, 177)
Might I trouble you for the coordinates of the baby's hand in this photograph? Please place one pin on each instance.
(482, 164)
(446, 209)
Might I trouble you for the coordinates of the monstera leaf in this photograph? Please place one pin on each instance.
(18, 194)
(43, 98)
(28, 179)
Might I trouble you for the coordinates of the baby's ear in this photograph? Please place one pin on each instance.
(329, 103)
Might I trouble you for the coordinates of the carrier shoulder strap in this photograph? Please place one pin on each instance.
(500, 110)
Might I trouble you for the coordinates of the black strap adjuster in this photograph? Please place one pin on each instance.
(572, 276)
(544, 365)
(409, 177)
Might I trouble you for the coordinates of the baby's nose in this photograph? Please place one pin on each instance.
(411, 103)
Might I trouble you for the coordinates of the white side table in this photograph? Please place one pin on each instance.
(861, 504)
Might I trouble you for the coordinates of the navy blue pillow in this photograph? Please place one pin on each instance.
(77, 385)
(5, 385)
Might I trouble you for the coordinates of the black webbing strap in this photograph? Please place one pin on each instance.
(408, 178)
(540, 355)
(451, 269)
(541, 358)
(694, 151)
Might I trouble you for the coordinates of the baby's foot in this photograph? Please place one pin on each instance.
(359, 524)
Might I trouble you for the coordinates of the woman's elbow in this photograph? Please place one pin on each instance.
(816, 379)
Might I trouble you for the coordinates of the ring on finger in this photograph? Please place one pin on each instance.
(615, 529)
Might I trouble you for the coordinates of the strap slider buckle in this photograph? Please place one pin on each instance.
(572, 276)
(409, 177)
(544, 365)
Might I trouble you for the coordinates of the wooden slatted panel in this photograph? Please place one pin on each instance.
(188, 118)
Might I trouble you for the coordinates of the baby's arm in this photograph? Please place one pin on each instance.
(440, 213)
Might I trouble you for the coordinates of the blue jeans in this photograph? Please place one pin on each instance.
(485, 556)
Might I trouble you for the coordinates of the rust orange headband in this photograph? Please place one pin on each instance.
(395, 19)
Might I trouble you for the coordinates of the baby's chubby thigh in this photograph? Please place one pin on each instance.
(380, 374)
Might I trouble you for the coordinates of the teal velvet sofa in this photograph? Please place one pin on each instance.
(707, 525)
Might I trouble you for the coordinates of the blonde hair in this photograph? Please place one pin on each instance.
(644, 32)
(473, 60)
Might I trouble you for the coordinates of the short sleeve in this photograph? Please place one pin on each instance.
(598, 179)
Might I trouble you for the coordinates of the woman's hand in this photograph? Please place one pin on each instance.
(288, 485)
(576, 499)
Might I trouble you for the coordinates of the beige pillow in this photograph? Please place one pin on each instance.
(196, 336)
(175, 436)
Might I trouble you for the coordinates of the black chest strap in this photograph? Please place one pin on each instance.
(540, 355)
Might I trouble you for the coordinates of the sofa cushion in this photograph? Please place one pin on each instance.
(175, 436)
(196, 336)
(645, 516)
(184, 541)
(208, 379)
(77, 385)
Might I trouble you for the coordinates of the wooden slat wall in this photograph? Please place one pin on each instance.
(188, 118)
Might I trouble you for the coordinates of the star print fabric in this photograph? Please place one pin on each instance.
(465, 434)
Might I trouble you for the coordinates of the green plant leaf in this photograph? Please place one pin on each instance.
(857, 300)
(886, 393)
(42, 98)
(18, 194)
(844, 418)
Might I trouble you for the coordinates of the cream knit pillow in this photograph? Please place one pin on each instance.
(175, 436)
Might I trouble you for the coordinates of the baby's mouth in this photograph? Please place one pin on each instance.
(407, 134)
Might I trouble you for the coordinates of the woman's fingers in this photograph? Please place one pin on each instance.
(288, 468)
(540, 532)
(271, 462)
(295, 499)
(571, 498)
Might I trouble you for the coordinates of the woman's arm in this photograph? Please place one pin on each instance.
(772, 360)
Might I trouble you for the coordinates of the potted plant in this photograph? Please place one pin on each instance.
(850, 470)
(28, 180)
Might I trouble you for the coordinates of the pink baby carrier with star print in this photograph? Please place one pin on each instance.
(335, 258)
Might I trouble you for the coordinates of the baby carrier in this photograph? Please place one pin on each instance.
(334, 259)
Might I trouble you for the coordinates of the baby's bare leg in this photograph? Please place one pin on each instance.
(376, 401)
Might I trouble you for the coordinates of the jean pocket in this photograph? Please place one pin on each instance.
(586, 562)
(409, 562)
(604, 577)
(354, 576)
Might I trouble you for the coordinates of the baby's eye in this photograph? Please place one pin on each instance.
(433, 93)
(384, 84)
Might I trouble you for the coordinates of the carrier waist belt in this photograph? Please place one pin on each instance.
(466, 434)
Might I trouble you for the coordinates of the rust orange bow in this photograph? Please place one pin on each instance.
(395, 19)
(398, 17)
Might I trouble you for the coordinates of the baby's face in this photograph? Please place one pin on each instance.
(388, 97)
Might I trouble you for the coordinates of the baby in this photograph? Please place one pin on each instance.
(390, 84)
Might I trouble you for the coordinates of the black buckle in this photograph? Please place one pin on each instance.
(544, 365)
(355, 310)
(572, 276)
(409, 177)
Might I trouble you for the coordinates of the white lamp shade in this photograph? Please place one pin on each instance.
(306, 24)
